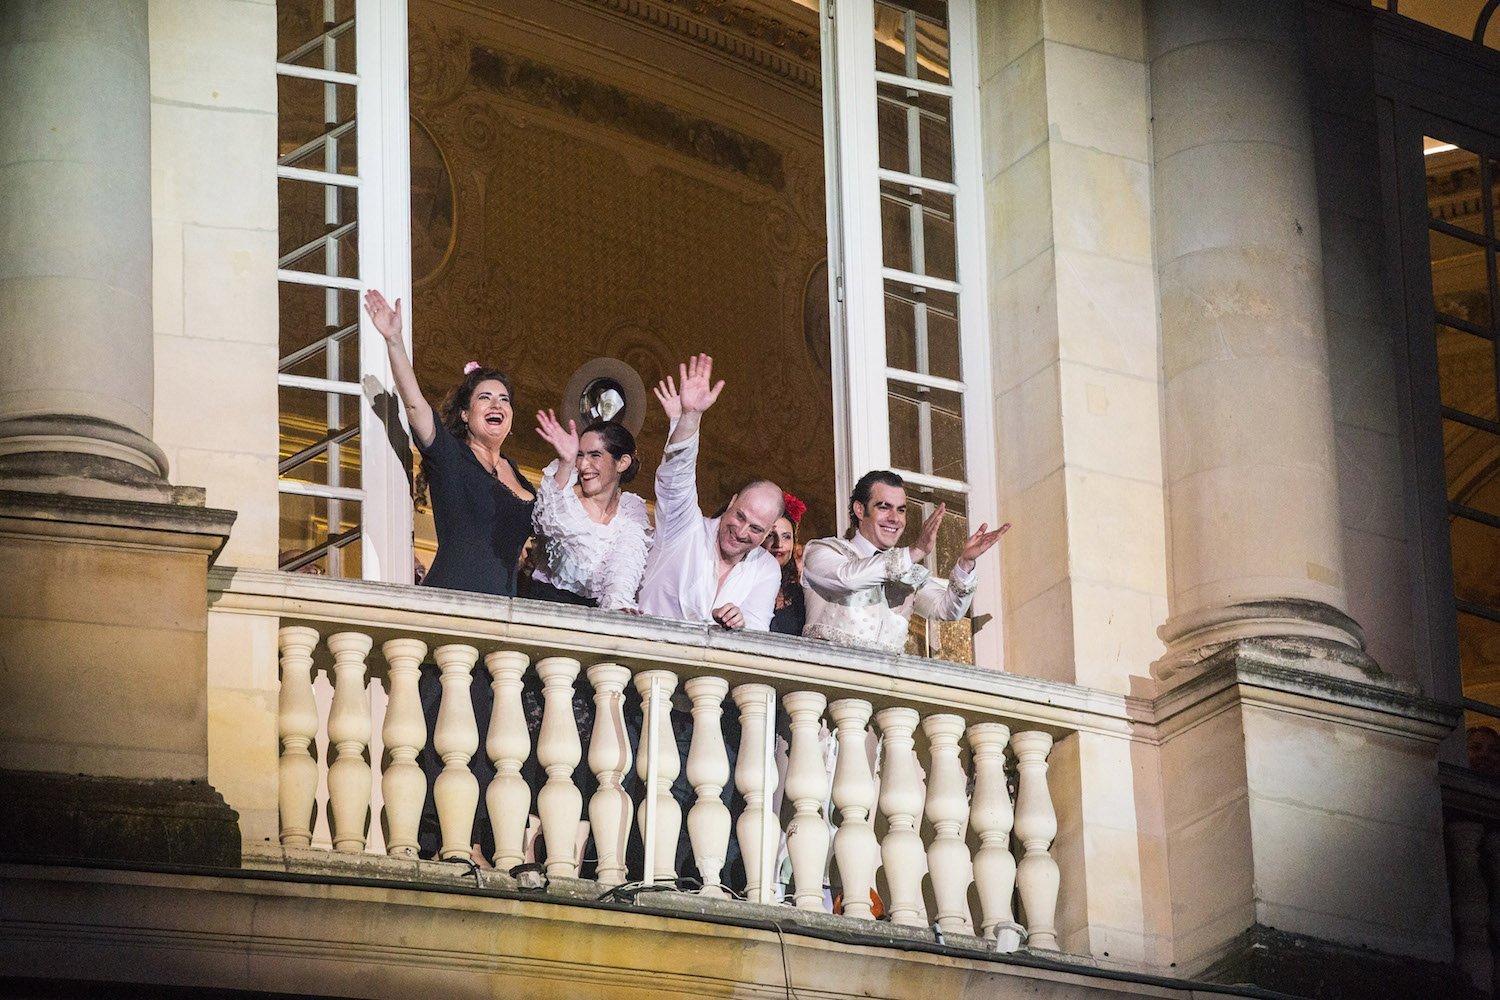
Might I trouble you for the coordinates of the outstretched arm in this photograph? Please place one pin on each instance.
(387, 320)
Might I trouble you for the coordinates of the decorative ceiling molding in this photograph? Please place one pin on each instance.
(750, 32)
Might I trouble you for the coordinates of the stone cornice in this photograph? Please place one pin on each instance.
(1272, 674)
(182, 526)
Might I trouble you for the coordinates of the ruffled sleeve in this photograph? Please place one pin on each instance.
(572, 547)
(619, 575)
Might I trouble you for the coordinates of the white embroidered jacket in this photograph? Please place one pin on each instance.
(858, 595)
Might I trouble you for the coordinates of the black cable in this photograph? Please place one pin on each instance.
(786, 969)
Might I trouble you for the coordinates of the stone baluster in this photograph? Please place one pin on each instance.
(807, 786)
(854, 845)
(708, 772)
(508, 745)
(901, 803)
(297, 725)
(1036, 825)
(348, 736)
(456, 738)
(559, 750)
(991, 816)
(1469, 900)
(609, 759)
(756, 783)
(948, 861)
(660, 837)
(405, 733)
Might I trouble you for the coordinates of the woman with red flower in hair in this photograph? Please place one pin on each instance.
(781, 541)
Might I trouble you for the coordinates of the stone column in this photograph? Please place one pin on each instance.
(103, 605)
(1253, 518)
(75, 267)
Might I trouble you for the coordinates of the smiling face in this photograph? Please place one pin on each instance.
(781, 540)
(489, 415)
(598, 470)
(750, 515)
(883, 519)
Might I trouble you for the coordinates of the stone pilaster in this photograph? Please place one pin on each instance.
(75, 267)
(1254, 531)
(103, 606)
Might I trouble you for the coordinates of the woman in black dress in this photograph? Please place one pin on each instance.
(481, 509)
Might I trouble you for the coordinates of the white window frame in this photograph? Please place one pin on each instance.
(383, 217)
(857, 275)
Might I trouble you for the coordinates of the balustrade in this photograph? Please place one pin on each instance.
(930, 797)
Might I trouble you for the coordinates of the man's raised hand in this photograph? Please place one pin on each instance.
(699, 391)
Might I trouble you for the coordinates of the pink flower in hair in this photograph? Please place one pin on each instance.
(471, 366)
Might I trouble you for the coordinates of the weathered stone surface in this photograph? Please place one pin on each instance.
(58, 817)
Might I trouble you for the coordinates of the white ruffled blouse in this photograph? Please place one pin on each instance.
(577, 554)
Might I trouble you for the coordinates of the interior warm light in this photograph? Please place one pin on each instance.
(1439, 148)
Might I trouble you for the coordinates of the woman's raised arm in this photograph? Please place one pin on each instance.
(387, 320)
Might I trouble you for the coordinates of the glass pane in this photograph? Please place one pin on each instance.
(1472, 459)
(300, 23)
(915, 134)
(329, 249)
(310, 418)
(1479, 661)
(1460, 279)
(308, 314)
(304, 527)
(912, 39)
(334, 358)
(308, 211)
(927, 430)
(1453, 193)
(917, 231)
(921, 331)
(1466, 372)
(308, 110)
(1476, 553)
(1494, 222)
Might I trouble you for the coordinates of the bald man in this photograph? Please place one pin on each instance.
(703, 568)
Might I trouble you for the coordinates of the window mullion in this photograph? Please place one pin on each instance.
(858, 139)
(384, 157)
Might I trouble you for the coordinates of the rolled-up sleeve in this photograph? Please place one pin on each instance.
(677, 508)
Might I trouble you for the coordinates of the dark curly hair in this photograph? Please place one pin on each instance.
(451, 412)
(619, 442)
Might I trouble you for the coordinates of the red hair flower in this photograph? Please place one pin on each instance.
(794, 508)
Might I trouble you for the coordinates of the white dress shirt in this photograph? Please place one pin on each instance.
(683, 567)
(858, 595)
(578, 554)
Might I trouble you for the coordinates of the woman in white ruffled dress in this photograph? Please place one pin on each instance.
(591, 543)
(591, 536)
